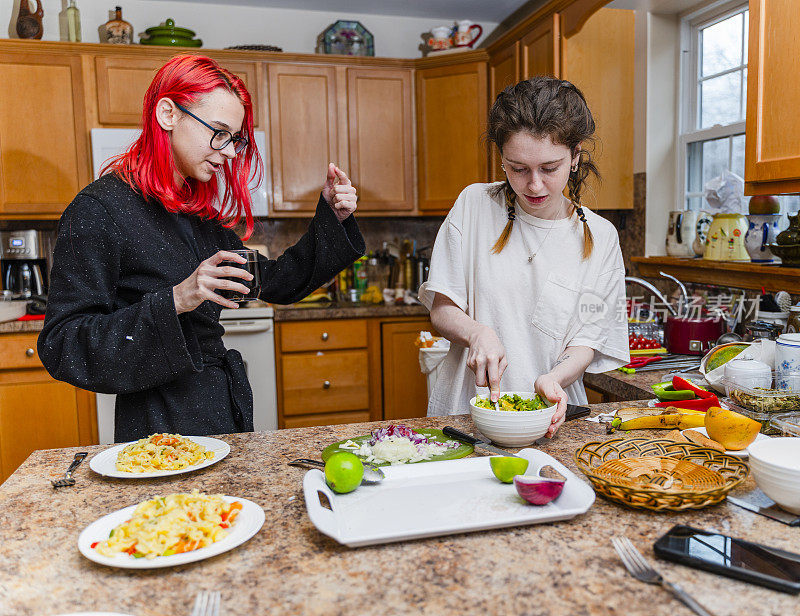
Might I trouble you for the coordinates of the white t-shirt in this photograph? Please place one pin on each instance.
(537, 309)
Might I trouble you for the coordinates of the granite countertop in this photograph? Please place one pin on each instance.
(20, 327)
(309, 312)
(288, 567)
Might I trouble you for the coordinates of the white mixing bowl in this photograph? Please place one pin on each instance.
(512, 428)
(775, 464)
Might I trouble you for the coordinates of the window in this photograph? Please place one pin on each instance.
(714, 93)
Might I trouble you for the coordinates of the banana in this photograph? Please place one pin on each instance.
(646, 418)
(669, 421)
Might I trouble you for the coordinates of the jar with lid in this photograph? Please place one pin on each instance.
(793, 325)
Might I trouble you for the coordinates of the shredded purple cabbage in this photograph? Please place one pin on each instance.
(416, 438)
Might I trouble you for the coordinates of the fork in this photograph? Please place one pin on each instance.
(206, 603)
(638, 567)
(67, 479)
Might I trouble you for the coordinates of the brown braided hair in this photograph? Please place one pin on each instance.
(545, 106)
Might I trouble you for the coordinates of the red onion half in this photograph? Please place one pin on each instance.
(537, 490)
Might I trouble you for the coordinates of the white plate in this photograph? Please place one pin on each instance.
(105, 462)
(438, 498)
(741, 453)
(247, 524)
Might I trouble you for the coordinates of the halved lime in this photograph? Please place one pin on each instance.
(506, 467)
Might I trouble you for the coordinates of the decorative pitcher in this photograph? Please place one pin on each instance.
(681, 233)
(762, 230)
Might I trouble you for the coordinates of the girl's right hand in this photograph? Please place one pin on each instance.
(487, 359)
(206, 279)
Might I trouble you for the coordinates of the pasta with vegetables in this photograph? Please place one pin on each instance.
(161, 452)
(171, 524)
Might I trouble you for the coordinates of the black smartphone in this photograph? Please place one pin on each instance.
(573, 412)
(731, 557)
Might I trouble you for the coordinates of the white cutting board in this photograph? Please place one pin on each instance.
(437, 498)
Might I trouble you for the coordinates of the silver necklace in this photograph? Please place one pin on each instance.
(531, 255)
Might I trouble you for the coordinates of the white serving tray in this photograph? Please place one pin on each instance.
(437, 498)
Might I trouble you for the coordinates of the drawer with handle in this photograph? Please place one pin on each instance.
(325, 382)
(323, 335)
(19, 351)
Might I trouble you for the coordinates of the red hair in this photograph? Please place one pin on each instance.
(147, 165)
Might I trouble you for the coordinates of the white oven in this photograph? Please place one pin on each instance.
(251, 331)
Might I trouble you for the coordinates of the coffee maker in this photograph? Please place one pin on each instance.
(23, 263)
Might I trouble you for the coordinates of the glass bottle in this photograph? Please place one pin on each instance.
(117, 30)
(73, 23)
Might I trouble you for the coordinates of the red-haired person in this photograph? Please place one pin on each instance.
(133, 306)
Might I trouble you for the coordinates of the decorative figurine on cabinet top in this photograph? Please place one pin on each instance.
(348, 38)
(116, 30)
(29, 23)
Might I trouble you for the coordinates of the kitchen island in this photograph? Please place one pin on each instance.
(288, 567)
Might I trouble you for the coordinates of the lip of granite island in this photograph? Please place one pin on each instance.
(288, 567)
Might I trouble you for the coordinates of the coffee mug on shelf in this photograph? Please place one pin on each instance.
(467, 33)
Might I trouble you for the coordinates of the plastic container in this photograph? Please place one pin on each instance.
(786, 424)
(759, 403)
(748, 373)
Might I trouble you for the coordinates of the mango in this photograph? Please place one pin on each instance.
(732, 430)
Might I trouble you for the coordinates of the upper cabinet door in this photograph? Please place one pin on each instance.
(504, 71)
(599, 60)
(44, 151)
(540, 49)
(303, 132)
(451, 120)
(380, 143)
(772, 143)
(122, 83)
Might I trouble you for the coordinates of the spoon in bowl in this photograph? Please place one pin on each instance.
(372, 473)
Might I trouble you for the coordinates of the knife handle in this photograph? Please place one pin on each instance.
(460, 436)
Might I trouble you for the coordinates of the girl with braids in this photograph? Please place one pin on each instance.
(528, 284)
(134, 298)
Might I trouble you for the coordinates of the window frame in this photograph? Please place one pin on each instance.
(689, 105)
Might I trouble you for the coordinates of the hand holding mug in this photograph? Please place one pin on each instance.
(209, 277)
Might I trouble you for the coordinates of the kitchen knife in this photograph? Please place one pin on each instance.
(773, 512)
(476, 442)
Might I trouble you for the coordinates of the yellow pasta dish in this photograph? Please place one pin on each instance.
(171, 524)
(161, 452)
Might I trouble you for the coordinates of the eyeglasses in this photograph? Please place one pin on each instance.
(221, 138)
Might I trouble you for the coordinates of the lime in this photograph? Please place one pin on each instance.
(505, 467)
(343, 472)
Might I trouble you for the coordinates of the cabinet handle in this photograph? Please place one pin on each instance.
(29, 352)
(324, 336)
(326, 385)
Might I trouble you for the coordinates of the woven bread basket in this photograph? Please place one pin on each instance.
(659, 474)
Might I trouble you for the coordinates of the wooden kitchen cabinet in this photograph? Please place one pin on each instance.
(405, 389)
(380, 124)
(303, 133)
(44, 148)
(772, 133)
(326, 371)
(451, 120)
(36, 411)
(540, 49)
(123, 81)
(599, 60)
(504, 71)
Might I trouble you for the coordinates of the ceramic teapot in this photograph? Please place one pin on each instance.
(466, 33)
